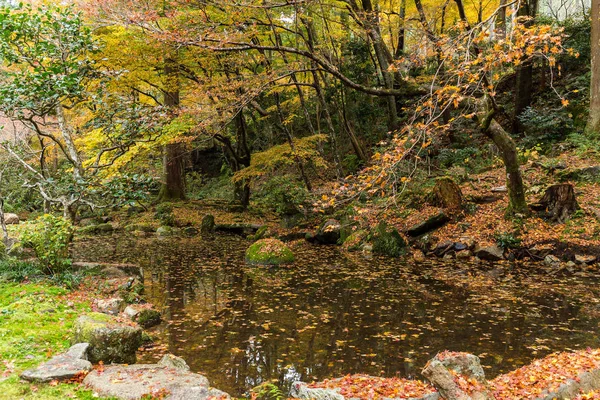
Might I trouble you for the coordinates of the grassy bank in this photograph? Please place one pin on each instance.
(36, 318)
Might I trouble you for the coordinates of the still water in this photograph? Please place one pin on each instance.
(332, 314)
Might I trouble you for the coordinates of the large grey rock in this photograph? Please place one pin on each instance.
(300, 390)
(61, 367)
(11, 219)
(329, 232)
(132, 382)
(110, 341)
(490, 253)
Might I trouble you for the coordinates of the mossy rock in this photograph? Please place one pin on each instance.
(387, 241)
(110, 341)
(165, 231)
(140, 227)
(354, 241)
(208, 224)
(269, 252)
(147, 318)
(260, 233)
(95, 229)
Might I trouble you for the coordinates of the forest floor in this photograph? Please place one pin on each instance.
(482, 218)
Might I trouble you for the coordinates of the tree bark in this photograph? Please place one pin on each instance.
(524, 81)
(173, 185)
(508, 151)
(593, 124)
(3, 224)
(72, 155)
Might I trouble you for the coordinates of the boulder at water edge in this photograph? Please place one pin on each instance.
(269, 252)
(62, 367)
(329, 232)
(170, 379)
(110, 341)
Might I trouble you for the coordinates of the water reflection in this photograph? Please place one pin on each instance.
(331, 314)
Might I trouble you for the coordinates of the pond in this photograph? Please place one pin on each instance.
(332, 313)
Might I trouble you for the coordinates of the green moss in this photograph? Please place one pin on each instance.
(140, 227)
(260, 233)
(208, 224)
(387, 241)
(2, 250)
(35, 324)
(269, 252)
(95, 229)
(148, 318)
(354, 241)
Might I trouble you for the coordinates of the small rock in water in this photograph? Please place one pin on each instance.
(329, 232)
(490, 253)
(147, 318)
(171, 361)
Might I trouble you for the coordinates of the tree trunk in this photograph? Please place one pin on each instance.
(501, 20)
(508, 151)
(523, 88)
(593, 124)
(524, 81)
(73, 155)
(3, 224)
(402, 30)
(514, 180)
(558, 202)
(173, 185)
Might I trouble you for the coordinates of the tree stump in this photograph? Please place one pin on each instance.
(447, 194)
(558, 202)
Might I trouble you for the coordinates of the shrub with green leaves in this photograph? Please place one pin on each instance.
(49, 237)
(267, 391)
(283, 194)
(508, 240)
(545, 126)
